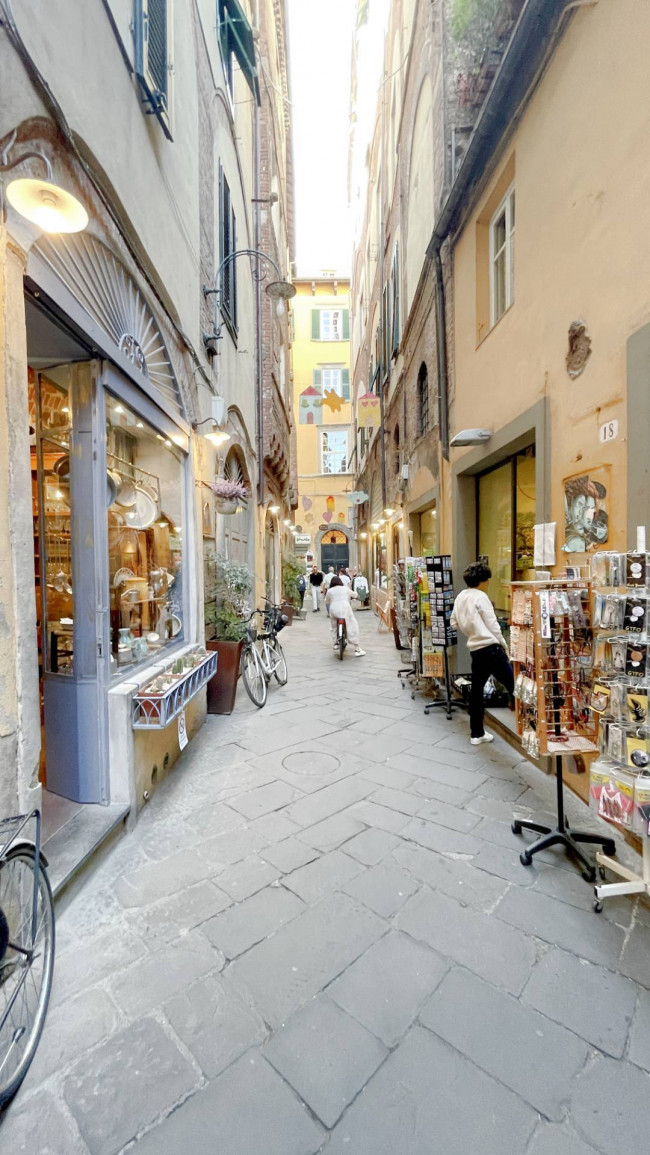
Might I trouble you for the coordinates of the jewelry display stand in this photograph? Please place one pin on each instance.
(550, 641)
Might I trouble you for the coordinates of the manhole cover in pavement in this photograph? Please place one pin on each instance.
(311, 762)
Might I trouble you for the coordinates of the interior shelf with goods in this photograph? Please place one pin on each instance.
(424, 598)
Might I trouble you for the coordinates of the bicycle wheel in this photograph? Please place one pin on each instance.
(280, 663)
(253, 675)
(342, 644)
(26, 965)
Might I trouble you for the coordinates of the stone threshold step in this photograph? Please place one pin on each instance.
(70, 848)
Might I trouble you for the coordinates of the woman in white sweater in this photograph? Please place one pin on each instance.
(473, 614)
(338, 600)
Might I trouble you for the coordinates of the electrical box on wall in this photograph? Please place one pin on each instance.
(405, 473)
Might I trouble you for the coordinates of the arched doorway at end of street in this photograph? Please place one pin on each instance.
(334, 550)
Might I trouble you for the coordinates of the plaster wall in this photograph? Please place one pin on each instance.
(582, 252)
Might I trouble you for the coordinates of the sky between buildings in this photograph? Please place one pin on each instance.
(320, 45)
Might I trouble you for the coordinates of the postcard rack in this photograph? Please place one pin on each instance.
(550, 647)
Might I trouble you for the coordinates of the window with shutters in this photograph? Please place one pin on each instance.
(423, 400)
(502, 257)
(330, 324)
(334, 378)
(385, 332)
(334, 451)
(395, 319)
(396, 451)
(227, 246)
(152, 26)
(237, 45)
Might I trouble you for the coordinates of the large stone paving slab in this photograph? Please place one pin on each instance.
(326, 1056)
(533, 1056)
(247, 923)
(426, 1099)
(214, 1023)
(249, 1110)
(126, 1083)
(611, 1107)
(284, 971)
(41, 1126)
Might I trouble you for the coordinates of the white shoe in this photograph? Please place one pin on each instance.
(359, 653)
(483, 738)
(336, 645)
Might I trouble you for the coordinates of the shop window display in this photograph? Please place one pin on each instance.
(145, 515)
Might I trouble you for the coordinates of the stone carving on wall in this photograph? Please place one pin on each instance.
(579, 350)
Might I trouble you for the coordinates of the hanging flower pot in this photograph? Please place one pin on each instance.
(222, 505)
(228, 495)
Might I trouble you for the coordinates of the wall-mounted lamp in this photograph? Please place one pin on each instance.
(42, 202)
(274, 509)
(471, 437)
(278, 290)
(287, 521)
(215, 434)
(363, 536)
(374, 525)
(389, 512)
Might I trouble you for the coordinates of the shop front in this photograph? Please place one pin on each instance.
(113, 531)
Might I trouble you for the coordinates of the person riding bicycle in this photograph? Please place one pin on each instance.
(338, 600)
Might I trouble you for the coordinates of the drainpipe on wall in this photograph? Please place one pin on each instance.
(441, 351)
(259, 360)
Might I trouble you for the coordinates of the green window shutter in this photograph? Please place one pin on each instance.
(345, 384)
(346, 324)
(236, 36)
(317, 381)
(315, 324)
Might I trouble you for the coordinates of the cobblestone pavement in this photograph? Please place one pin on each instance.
(320, 938)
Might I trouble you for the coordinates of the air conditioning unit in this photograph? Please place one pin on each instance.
(405, 473)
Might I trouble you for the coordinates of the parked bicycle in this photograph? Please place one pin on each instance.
(26, 948)
(262, 656)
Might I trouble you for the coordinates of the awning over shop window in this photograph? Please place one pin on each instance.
(236, 37)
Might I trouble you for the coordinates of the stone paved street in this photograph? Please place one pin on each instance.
(320, 938)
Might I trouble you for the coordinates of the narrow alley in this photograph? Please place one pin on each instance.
(319, 937)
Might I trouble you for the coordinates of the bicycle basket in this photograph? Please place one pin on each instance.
(251, 632)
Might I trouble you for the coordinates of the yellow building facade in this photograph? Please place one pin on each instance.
(323, 421)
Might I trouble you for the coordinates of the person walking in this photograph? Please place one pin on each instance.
(315, 581)
(302, 586)
(338, 605)
(345, 577)
(473, 614)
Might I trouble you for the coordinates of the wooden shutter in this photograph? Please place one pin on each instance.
(345, 384)
(346, 324)
(315, 324)
(396, 320)
(152, 55)
(317, 379)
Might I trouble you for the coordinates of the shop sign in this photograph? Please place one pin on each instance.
(323, 526)
(608, 432)
(182, 731)
(302, 539)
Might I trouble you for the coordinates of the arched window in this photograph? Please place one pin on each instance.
(396, 453)
(423, 400)
(236, 526)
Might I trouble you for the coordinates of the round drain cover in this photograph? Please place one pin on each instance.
(311, 762)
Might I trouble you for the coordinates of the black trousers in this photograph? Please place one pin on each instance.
(489, 660)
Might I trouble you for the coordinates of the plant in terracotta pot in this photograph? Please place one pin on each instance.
(228, 494)
(227, 589)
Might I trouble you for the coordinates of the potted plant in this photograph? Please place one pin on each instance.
(291, 571)
(228, 495)
(228, 586)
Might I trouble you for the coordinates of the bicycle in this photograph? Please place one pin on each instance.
(26, 949)
(262, 656)
(341, 636)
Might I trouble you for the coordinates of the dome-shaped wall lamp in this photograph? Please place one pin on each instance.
(45, 204)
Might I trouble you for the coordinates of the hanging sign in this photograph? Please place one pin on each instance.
(368, 413)
(182, 731)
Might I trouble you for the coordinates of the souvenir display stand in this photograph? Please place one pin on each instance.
(550, 647)
(424, 598)
(620, 778)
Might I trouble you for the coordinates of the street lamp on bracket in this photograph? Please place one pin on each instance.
(42, 202)
(278, 290)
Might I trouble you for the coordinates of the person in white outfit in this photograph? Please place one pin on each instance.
(338, 600)
(326, 582)
(345, 577)
(473, 614)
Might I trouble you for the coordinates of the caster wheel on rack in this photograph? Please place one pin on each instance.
(609, 848)
(589, 875)
(516, 828)
(525, 858)
(601, 872)
(598, 906)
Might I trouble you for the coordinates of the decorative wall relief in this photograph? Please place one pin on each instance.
(579, 350)
(310, 407)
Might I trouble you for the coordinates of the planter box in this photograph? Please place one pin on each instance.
(224, 506)
(289, 610)
(222, 688)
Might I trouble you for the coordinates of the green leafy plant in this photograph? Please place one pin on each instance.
(291, 571)
(227, 589)
(472, 20)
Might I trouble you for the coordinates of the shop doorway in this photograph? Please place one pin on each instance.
(334, 550)
(505, 517)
